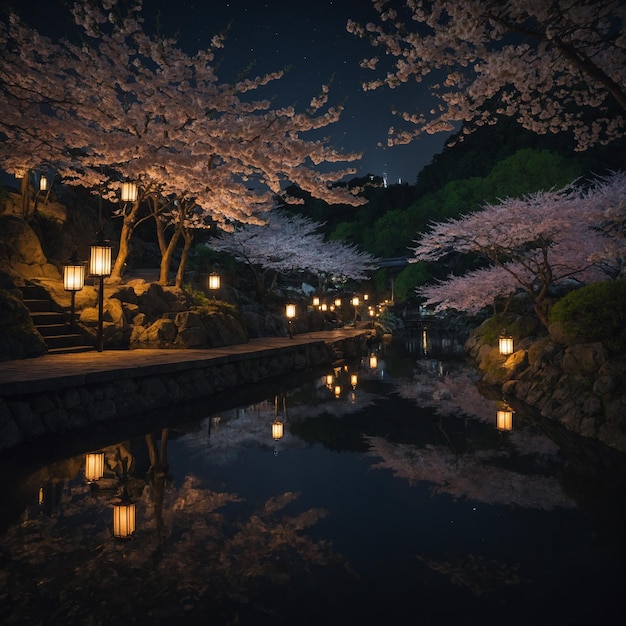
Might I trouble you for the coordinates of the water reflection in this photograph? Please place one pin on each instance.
(389, 495)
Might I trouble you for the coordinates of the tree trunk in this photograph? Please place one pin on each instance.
(180, 273)
(128, 228)
(166, 257)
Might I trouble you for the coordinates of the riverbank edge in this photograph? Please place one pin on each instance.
(33, 411)
(580, 387)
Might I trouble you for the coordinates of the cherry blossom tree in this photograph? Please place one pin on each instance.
(287, 243)
(531, 244)
(126, 105)
(548, 64)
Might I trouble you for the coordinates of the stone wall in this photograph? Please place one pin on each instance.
(26, 415)
(581, 386)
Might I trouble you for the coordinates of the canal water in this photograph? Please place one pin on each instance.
(383, 491)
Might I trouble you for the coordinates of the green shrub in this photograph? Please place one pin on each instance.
(518, 326)
(596, 312)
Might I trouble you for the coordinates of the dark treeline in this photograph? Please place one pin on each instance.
(494, 162)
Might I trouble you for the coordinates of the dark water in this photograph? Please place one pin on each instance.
(394, 500)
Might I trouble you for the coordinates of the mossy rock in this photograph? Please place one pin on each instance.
(595, 312)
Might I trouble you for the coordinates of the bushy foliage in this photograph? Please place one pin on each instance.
(408, 279)
(594, 313)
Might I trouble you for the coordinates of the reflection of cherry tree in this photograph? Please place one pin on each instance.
(202, 556)
(454, 392)
(477, 574)
(234, 430)
(468, 476)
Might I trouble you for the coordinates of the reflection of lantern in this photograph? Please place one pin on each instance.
(505, 344)
(124, 514)
(504, 418)
(316, 301)
(353, 380)
(94, 466)
(373, 361)
(277, 430)
(129, 192)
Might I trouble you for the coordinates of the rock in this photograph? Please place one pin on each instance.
(586, 358)
(161, 331)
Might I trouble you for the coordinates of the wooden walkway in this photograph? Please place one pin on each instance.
(50, 371)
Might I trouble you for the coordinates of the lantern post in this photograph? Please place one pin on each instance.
(100, 267)
(215, 282)
(290, 312)
(73, 281)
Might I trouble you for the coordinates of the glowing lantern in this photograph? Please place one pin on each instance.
(124, 517)
(337, 391)
(373, 361)
(43, 183)
(338, 302)
(94, 466)
(214, 282)
(329, 381)
(316, 301)
(100, 266)
(324, 307)
(277, 430)
(504, 418)
(290, 312)
(100, 259)
(505, 344)
(73, 280)
(73, 274)
(129, 192)
(353, 380)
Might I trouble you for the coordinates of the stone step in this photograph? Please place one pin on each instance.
(58, 334)
(47, 318)
(33, 292)
(37, 305)
(64, 341)
(50, 330)
(71, 349)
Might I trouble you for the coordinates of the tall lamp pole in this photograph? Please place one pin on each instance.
(100, 267)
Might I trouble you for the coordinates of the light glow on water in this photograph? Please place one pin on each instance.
(399, 502)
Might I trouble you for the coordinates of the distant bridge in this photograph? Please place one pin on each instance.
(399, 261)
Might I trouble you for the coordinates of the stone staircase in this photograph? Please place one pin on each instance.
(51, 324)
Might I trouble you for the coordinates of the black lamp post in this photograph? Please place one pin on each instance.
(73, 280)
(100, 267)
(290, 312)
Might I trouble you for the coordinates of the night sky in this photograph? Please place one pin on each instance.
(309, 37)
